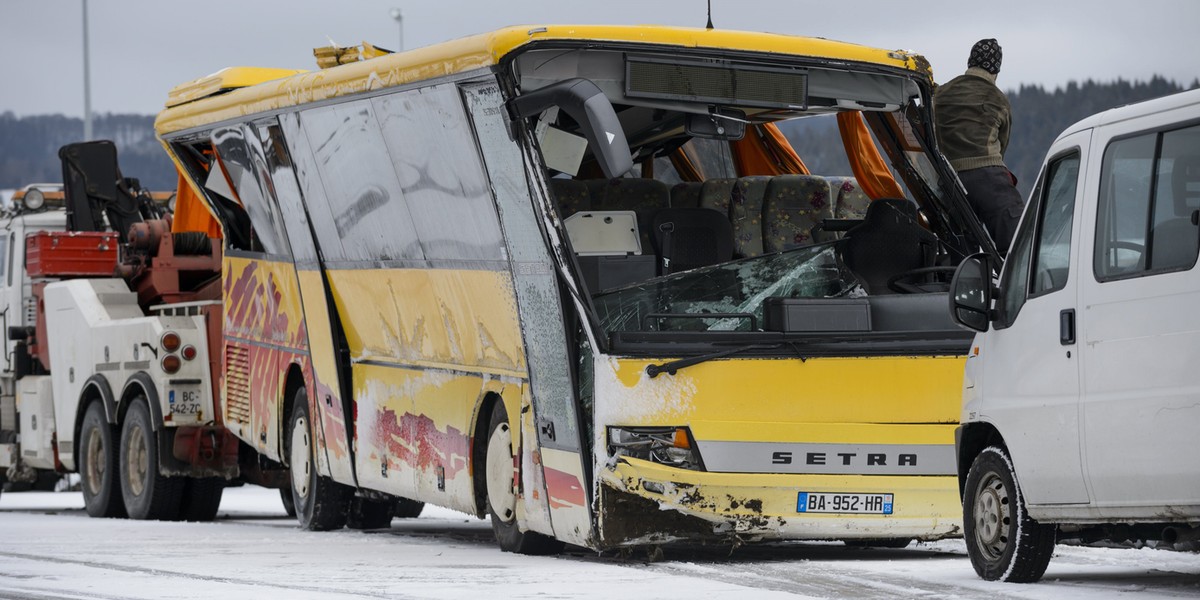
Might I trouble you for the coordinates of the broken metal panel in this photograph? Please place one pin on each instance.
(538, 302)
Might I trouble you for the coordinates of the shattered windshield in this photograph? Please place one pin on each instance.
(726, 297)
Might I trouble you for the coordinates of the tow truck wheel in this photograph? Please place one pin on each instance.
(201, 498)
(321, 503)
(98, 456)
(1003, 542)
(148, 494)
(500, 472)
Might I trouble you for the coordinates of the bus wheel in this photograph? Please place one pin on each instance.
(408, 509)
(1002, 541)
(370, 514)
(147, 494)
(289, 504)
(321, 503)
(98, 456)
(500, 473)
(201, 498)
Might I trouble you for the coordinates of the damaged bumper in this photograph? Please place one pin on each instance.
(643, 502)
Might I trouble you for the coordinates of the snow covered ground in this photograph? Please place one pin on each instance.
(51, 550)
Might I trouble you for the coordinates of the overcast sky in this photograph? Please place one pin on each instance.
(142, 48)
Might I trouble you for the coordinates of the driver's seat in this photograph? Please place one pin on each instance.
(888, 242)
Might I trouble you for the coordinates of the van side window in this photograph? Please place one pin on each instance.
(1149, 198)
(1052, 264)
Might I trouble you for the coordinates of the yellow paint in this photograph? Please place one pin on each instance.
(435, 318)
(272, 290)
(226, 79)
(748, 393)
(485, 50)
(821, 433)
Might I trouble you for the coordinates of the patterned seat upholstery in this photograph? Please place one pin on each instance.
(850, 202)
(746, 215)
(686, 194)
(715, 194)
(793, 205)
(571, 196)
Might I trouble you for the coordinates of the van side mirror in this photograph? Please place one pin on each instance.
(971, 293)
(588, 105)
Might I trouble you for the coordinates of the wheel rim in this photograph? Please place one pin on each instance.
(500, 470)
(95, 462)
(137, 461)
(992, 515)
(301, 465)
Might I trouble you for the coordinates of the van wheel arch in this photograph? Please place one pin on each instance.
(975, 438)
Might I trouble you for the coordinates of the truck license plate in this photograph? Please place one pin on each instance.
(184, 400)
(825, 502)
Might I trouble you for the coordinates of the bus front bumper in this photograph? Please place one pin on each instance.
(644, 503)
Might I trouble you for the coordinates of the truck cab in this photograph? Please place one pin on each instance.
(1080, 402)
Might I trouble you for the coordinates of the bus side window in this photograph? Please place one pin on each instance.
(246, 172)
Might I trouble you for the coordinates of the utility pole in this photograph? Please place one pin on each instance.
(399, 17)
(87, 82)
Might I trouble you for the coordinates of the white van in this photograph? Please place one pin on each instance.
(1081, 400)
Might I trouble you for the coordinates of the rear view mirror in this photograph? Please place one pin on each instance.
(720, 124)
(971, 293)
(588, 105)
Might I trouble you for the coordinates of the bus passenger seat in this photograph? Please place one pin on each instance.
(793, 206)
(570, 196)
(686, 194)
(715, 194)
(746, 213)
(850, 201)
(687, 238)
(890, 241)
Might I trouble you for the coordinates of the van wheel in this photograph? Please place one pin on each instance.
(98, 457)
(148, 494)
(1003, 542)
(201, 498)
(500, 472)
(321, 503)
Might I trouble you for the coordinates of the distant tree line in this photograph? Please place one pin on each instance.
(29, 145)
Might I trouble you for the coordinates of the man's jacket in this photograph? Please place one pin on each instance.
(972, 118)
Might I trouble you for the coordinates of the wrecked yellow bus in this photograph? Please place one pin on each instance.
(582, 281)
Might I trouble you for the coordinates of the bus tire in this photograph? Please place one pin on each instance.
(99, 454)
(370, 514)
(321, 503)
(201, 498)
(500, 472)
(408, 509)
(1003, 542)
(289, 504)
(148, 494)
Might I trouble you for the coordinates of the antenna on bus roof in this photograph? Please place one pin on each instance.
(709, 26)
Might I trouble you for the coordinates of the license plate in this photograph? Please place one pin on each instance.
(184, 400)
(825, 502)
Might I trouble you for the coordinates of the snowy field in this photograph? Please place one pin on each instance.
(51, 550)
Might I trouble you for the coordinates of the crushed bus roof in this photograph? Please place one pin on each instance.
(251, 90)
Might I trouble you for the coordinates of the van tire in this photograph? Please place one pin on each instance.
(321, 503)
(1003, 542)
(99, 454)
(499, 472)
(148, 494)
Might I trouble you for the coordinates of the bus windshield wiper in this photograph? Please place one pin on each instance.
(671, 367)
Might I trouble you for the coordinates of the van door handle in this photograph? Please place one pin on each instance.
(1066, 327)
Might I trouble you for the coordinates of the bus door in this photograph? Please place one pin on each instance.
(564, 463)
(327, 378)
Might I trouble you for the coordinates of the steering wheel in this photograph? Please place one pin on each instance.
(1114, 245)
(899, 283)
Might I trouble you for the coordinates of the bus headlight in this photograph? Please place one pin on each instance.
(671, 446)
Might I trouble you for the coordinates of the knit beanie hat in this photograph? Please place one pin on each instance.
(986, 55)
